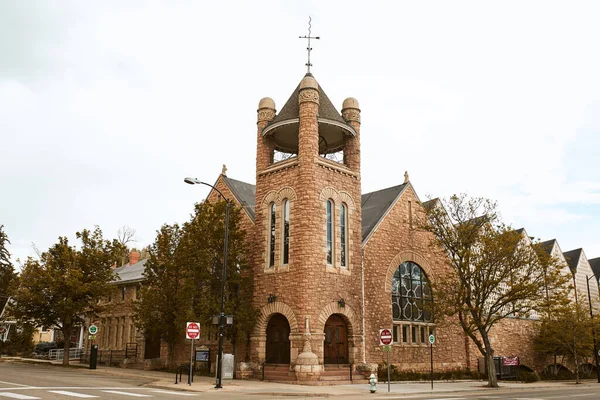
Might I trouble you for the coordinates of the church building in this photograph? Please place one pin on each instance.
(333, 266)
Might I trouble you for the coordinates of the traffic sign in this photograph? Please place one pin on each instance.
(387, 348)
(385, 337)
(192, 330)
(93, 329)
(431, 339)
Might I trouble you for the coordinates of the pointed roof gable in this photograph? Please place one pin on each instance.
(595, 264)
(244, 193)
(291, 109)
(548, 245)
(429, 204)
(375, 205)
(572, 258)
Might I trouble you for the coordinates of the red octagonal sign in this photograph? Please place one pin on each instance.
(385, 337)
(192, 330)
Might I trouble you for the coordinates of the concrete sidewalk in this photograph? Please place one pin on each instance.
(255, 387)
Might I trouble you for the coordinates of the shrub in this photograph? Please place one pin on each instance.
(44, 347)
(448, 375)
(528, 377)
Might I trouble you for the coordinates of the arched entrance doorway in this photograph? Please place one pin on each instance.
(335, 347)
(278, 340)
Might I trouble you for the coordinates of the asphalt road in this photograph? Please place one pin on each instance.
(32, 381)
(35, 381)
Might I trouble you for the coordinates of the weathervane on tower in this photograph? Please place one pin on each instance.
(308, 64)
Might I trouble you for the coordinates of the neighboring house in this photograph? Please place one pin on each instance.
(582, 273)
(116, 329)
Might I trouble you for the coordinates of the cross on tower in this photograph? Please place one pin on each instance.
(308, 64)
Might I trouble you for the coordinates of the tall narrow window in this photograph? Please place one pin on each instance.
(272, 236)
(286, 231)
(343, 234)
(329, 232)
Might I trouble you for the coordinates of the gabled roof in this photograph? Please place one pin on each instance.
(595, 264)
(291, 109)
(375, 205)
(548, 245)
(130, 273)
(429, 204)
(573, 257)
(245, 194)
(520, 231)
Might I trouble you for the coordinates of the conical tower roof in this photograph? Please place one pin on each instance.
(332, 126)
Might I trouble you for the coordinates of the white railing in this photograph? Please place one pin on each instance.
(58, 354)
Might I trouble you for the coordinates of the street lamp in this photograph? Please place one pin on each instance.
(194, 181)
(593, 328)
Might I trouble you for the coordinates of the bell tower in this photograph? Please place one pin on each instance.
(307, 253)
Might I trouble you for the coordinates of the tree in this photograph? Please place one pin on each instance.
(160, 311)
(567, 331)
(496, 272)
(62, 286)
(125, 237)
(7, 271)
(183, 278)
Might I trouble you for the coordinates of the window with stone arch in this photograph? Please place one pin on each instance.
(329, 227)
(286, 232)
(343, 235)
(272, 224)
(411, 294)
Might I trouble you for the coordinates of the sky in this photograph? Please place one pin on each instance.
(106, 106)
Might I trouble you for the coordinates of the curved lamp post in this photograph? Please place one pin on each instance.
(194, 181)
(593, 328)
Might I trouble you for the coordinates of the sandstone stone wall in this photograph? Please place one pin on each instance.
(393, 242)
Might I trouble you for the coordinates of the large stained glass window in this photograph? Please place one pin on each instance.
(411, 294)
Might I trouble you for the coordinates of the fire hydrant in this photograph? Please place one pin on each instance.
(372, 383)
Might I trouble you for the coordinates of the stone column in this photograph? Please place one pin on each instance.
(264, 146)
(351, 113)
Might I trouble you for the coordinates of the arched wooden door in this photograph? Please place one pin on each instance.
(335, 347)
(278, 340)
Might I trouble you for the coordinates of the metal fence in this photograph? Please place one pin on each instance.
(58, 354)
(111, 357)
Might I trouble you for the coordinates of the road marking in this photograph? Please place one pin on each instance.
(127, 393)
(175, 393)
(16, 384)
(72, 394)
(18, 396)
(451, 398)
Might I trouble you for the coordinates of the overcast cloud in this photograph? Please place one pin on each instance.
(106, 106)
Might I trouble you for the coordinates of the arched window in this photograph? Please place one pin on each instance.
(411, 294)
(272, 222)
(329, 232)
(343, 234)
(286, 231)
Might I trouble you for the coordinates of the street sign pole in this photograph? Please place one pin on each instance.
(191, 363)
(431, 341)
(388, 365)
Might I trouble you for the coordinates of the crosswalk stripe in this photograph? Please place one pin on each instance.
(175, 393)
(127, 393)
(72, 394)
(18, 396)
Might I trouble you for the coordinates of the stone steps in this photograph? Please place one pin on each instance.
(278, 372)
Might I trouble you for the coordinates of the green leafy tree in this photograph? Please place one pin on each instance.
(7, 271)
(183, 278)
(61, 288)
(163, 299)
(566, 332)
(497, 273)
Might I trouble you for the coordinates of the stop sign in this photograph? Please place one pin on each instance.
(385, 337)
(192, 330)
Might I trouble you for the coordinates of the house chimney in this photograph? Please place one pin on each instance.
(134, 257)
